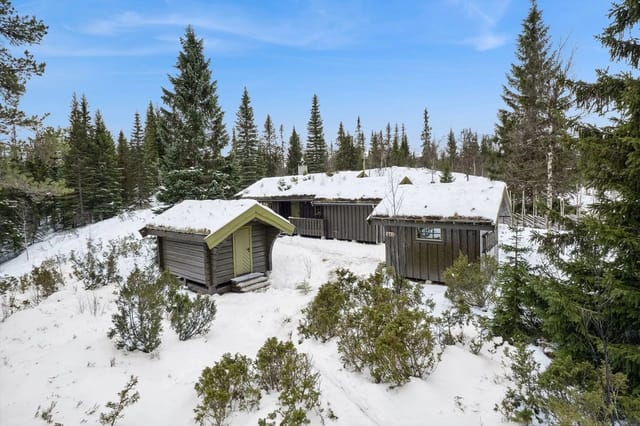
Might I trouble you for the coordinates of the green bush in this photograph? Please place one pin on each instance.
(43, 280)
(126, 397)
(189, 316)
(270, 363)
(281, 367)
(137, 322)
(96, 269)
(322, 316)
(225, 387)
(470, 281)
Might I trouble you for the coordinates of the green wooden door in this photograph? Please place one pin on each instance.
(242, 258)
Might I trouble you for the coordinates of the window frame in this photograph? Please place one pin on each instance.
(432, 231)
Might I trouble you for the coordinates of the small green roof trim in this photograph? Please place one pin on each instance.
(255, 212)
(362, 174)
(406, 181)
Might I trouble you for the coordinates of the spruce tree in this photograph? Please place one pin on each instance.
(405, 150)
(394, 153)
(271, 158)
(106, 198)
(294, 156)
(376, 154)
(594, 300)
(247, 142)
(194, 131)
(428, 158)
(151, 154)
(346, 157)
(531, 128)
(360, 145)
(78, 167)
(316, 154)
(136, 157)
(124, 167)
(452, 151)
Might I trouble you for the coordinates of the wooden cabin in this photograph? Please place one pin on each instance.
(211, 243)
(338, 205)
(427, 227)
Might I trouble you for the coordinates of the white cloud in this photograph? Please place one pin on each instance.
(486, 41)
(485, 16)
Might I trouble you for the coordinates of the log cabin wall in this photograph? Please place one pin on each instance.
(184, 259)
(427, 260)
(349, 222)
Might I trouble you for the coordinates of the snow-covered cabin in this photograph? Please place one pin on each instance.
(209, 243)
(428, 226)
(341, 206)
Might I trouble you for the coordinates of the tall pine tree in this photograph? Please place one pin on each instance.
(532, 127)
(247, 142)
(295, 153)
(194, 131)
(106, 197)
(593, 314)
(151, 155)
(125, 169)
(316, 154)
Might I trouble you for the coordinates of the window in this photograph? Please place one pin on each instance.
(429, 234)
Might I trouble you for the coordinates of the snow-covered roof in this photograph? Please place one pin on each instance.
(477, 200)
(200, 216)
(344, 186)
(214, 220)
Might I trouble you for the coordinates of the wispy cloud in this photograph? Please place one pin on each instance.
(485, 16)
(318, 29)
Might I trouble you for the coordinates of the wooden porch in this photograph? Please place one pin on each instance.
(308, 227)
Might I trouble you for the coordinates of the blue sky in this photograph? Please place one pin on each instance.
(385, 61)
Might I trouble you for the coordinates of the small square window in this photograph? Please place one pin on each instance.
(429, 234)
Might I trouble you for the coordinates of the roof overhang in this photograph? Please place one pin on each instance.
(446, 223)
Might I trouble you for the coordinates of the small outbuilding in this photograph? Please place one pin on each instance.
(428, 226)
(210, 243)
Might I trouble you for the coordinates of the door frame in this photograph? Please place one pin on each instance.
(237, 248)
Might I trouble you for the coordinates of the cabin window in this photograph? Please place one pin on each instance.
(429, 234)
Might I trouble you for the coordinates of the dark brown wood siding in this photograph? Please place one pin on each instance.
(349, 222)
(427, 260)
(184, 259)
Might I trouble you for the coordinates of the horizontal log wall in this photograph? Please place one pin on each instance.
(222, 261)
(184, 259)
(427, 260)
(349, 222)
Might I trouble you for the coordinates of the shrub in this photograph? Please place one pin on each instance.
(96, 269)
(225, 387)
(43, 280)
(322, 315)
(386, 329)
(126, 398)
(300, 390)
(271, 361)
(470, 282)
(190, 317)
(137, 322)
(405, 348)
(281, 367)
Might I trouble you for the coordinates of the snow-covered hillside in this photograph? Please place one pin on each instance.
(58, 351)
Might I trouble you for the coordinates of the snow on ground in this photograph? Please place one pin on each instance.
(58, 351)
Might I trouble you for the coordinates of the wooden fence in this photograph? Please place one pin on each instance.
(308, 227)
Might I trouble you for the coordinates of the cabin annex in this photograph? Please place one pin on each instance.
(349, 206)
(209, 243)
(428, 226)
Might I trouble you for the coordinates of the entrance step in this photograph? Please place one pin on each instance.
(249, 282)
